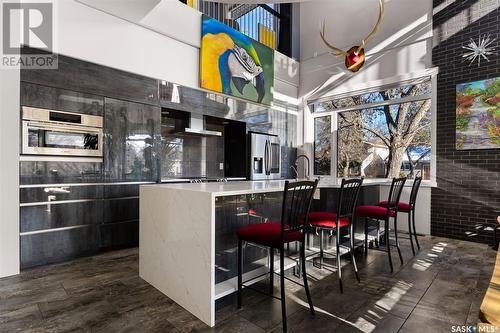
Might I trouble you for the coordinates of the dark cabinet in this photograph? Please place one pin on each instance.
(61, 99)
(60, 201)
(57, 172)
(77, 75)
(47, 248)
(232, 213)
(131, 131)
(120, 223)
(61, 209)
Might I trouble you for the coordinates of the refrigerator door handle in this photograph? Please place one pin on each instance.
(266, 158)
(270, 157)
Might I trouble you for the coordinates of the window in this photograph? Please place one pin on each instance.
(322, 145)
(384, 133)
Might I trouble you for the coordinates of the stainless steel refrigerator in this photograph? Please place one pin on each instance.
(265, 156)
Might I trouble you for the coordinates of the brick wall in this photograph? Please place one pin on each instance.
(467, 200)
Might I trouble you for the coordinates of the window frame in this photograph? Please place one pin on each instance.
(334, 117)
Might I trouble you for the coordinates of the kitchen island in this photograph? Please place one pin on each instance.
(187, 240)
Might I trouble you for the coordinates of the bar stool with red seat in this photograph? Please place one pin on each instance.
(297, 199)
(409, 207)
(379, 213)
(334, 222)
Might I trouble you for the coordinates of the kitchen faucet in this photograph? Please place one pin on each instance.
(295, 171)
(294, 166)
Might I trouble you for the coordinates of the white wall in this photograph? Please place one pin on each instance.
(9, 168)
(89, 34)
(155, 38)
(9, 172)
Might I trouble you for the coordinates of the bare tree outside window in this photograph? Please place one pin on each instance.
(387, 133)
(322, 145)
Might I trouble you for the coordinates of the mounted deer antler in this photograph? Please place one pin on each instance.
(355, 56)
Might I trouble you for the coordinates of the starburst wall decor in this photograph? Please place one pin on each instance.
(480, 50)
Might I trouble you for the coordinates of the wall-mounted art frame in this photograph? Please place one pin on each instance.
(234, 64)
(478, 115)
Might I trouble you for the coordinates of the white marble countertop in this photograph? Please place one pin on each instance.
(257, 186)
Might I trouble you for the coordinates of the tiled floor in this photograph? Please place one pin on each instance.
(442, 285)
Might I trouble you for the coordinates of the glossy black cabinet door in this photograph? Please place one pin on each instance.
(120, 224)
(57, 172)
(57, 246)
(131, 132)
(77, 75)
(60, 99)
(233, 213)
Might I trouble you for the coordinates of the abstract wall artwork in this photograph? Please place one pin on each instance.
(478, 115)
(234, 64)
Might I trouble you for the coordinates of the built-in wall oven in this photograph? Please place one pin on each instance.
(59, 133)
(265, 156)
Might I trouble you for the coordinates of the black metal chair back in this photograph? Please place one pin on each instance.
(297, 199)
(348, 198)
(414, 191)
(395, 193)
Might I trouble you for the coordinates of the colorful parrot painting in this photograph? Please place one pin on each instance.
(234, 64)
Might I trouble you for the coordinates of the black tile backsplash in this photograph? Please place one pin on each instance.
(191, 156)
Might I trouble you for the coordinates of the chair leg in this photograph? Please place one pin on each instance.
(282, 287)
(377, 241)
(339, 264)
(366, 236)
(387, 243)
(321, 240)
(240, 271)
(353, 258)
(271, 270)
(414, 229)
(410, 232)
(304, 275)
(396, 238)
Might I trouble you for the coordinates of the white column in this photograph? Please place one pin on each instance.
(9, 168)
(9, 172)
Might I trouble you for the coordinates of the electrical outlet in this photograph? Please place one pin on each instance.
(221, 166)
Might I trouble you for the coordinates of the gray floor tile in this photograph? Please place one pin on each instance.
(442, 285)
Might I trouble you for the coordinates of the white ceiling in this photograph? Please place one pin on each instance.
(349, 21)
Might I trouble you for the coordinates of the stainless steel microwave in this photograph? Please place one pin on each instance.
(59, 133)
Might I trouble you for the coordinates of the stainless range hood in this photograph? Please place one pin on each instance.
(196, 126)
